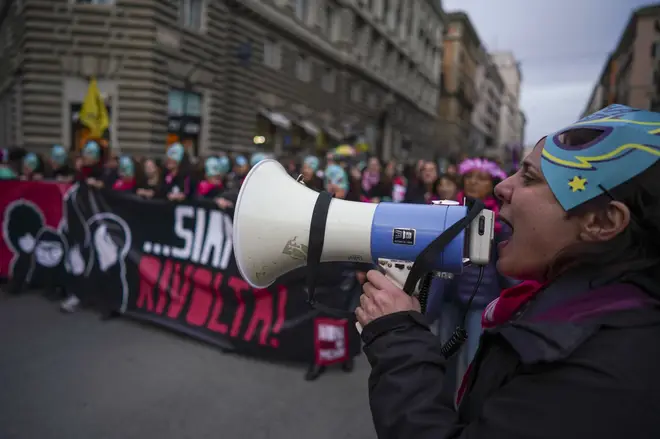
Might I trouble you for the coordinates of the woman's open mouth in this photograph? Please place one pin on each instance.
(506, 221)
(504, 243)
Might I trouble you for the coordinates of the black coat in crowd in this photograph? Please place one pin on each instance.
(582, 360)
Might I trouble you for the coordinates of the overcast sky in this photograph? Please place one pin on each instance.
(562, 45)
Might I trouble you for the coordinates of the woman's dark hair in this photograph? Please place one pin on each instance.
(452, 178)
(141, 177)
(637, 248)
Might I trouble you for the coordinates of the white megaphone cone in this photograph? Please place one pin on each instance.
(272, 222)
(273, 218)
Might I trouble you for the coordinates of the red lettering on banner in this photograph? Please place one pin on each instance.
(164, 287)
(175, 284)
(176, 304)
(202, 298)
(148, 269)
(214, 324)
(238, 285)
(202, 289)
(282, 295)
(263, 312)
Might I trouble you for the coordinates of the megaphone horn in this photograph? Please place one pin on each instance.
(273, 215)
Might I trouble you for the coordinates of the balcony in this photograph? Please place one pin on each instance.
(466, 93)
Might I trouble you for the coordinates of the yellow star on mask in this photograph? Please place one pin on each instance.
(578, 184)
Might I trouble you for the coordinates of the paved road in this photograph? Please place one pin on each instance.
(75, 377)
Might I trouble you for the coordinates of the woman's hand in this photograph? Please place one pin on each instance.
(224, 203)
(95, 183)
(381, 297)
(176, 197)
(146, 193)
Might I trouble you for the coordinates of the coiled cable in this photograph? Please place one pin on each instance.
(460, 335)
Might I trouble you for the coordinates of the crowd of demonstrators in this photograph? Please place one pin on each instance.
(176, 176)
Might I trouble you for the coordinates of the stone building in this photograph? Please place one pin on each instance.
(511, 118)
(458, 98)
(631, 74)
(486, 115)
(280, 75)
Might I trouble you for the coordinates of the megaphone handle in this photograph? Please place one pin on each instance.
(392, 276)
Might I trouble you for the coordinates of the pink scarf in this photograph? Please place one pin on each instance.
(369, 180)
(491, 204)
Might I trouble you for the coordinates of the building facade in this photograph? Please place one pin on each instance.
(366, 68)
(280, 75)
(631, 75)
(511, 117)
(144, 54)
(486, 115)
(458, 92)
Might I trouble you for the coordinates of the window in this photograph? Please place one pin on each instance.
(386, 10)
(356, 93)
(272, 53)
(329, 80)
(304, 68)
(190, 13)
(175, 103)
(95, 2)
(329, 22)
(301, 9)
(372, 100)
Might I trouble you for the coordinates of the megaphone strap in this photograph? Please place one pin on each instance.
(316, 240)
(426, 257)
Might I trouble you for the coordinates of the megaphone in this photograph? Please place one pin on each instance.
(273, 217)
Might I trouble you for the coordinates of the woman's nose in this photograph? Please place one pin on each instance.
(503, 190)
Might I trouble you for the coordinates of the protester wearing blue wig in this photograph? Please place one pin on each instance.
(92, 165)
(241, 168)
(257, 157)
(177, 183)
(32, 167)
(126, 173)
(59, 165)
(573, 350)
(309, 169)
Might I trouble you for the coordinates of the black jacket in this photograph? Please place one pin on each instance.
(582, 360)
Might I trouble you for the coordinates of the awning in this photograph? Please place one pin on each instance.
(309, 127)
(277, 119)
(336, 135)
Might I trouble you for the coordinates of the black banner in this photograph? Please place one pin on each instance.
(172, 264)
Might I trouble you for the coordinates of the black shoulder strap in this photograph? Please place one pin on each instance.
(426, 259)
(316, 240)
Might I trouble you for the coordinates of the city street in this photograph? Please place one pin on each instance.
(76, 377)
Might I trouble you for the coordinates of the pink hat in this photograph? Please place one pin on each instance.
(484, 165)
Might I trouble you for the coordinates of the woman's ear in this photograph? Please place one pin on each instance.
(605, 224)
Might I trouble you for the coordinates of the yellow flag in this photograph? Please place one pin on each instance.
(93, 113)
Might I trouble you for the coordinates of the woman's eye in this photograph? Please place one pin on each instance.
(527, 178)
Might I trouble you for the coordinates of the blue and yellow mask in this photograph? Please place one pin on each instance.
(313, 162)
(212, 167)
(58, 155)
(335, 175)
(628, 144)
(175, 152)
(31, 161)
(92, 150)
(126, 167)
